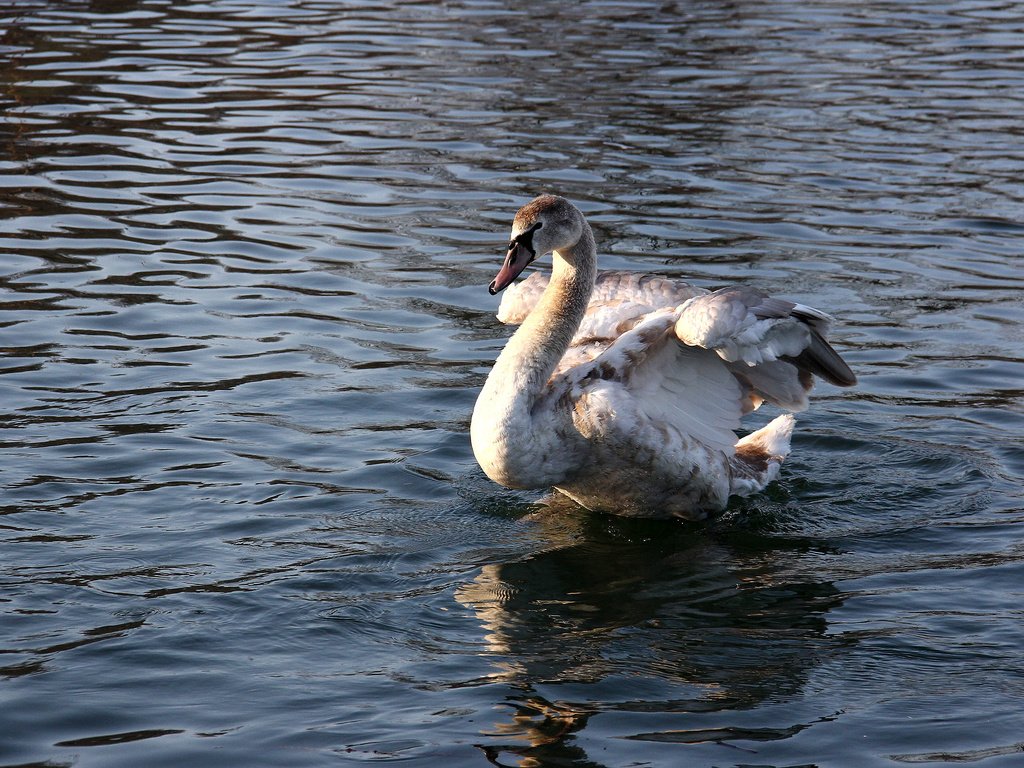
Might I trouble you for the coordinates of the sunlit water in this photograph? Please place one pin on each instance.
(243, 264)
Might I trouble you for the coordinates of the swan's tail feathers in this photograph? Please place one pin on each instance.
(759, 455)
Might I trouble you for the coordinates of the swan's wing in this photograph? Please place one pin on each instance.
(580, 354)
(646, 382)
(771, 345)
(633, 293)
(619, 301)
(607, 320)
(779, 383)
(651, 290)
(519, 299)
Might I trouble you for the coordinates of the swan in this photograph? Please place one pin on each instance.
(622, 391)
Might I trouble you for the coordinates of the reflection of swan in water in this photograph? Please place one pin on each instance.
(627, 400)
(664, 619)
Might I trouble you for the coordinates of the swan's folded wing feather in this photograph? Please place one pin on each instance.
(651, 382)
(780, 383)
(744, 325)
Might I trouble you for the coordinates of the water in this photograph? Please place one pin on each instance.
(245, 250)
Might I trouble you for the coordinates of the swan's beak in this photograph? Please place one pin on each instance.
(517, 259)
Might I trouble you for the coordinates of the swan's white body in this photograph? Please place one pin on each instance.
(623, 391)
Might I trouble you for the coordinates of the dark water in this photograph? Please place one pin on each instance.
(243, 265)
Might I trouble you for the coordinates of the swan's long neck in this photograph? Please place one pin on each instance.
(536, 348)
(517, 441)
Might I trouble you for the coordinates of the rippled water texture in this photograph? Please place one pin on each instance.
(243, 264)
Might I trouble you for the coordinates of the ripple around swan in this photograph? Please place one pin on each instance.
(244, 321)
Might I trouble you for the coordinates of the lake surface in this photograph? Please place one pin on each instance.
(244, 253)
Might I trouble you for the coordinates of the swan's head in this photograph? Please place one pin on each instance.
(545, 224)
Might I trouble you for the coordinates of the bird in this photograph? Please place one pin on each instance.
(625, 391)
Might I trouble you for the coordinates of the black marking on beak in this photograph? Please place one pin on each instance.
(525, 239)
